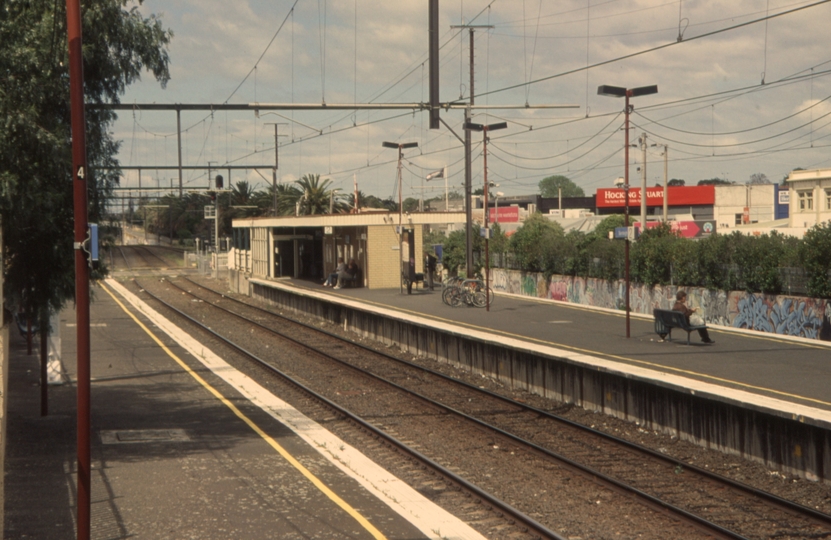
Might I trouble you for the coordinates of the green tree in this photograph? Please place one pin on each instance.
(36, 200)
(538, 243)
(411, 204)
(550, 186)
(608, 225)
(454, 257)
(676, 182)
(815, 255)
(316, 197)
(715, 182)
(364, 200)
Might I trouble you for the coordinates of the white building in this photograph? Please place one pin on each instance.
(810, 193)
(744, 204)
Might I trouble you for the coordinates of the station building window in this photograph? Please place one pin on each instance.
(828, 199)
(806, 200)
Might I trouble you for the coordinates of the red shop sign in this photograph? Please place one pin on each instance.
(678, 196)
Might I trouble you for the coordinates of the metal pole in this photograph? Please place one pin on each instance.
(468, 202)
(643, 184)
(179, 145)
(446, 192)
(666, 182)
(274, 173)
(469, 171)
(79, 168)
(400, 226)
(487, 220)
(626, 208)
(274, 191)
(216, 235)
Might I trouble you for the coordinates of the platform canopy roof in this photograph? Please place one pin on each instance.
(361, 219)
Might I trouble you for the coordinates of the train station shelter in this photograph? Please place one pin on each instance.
(308, 247)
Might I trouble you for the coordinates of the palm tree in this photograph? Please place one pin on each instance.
(287, 196)
(242, 193)
(314, 197)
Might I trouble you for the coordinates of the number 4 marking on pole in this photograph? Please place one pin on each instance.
(80, 172)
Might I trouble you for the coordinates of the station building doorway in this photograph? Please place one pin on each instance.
(298, 256)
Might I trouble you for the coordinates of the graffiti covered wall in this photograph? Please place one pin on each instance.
(786, 315)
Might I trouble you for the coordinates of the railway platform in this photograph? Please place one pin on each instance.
(184, 446)
(793, 370)
(761, 396)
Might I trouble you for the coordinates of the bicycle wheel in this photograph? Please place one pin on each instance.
(479, 299)
(490, 293)
(446, 293)
(454, 297)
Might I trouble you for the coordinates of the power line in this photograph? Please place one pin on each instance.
(653, 49)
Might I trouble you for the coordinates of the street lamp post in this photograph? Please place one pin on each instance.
(400, 148)
(484, 128)
(618, 91)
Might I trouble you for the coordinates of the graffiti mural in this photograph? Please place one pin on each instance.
(785, 315)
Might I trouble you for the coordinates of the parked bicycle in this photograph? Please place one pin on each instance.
(465, 292)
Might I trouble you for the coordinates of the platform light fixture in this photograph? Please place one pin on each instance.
(619, 91)
(485, 128)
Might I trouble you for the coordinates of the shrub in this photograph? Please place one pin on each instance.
(537, 243)
(651, 256)
(815, 256)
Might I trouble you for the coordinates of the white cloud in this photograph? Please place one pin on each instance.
(217, 44)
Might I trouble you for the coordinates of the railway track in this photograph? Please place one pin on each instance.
(711, 505)
(148, 259)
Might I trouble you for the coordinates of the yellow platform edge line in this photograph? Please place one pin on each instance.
(346, 507)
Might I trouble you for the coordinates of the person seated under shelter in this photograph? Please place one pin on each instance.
(348, 273)
(330, 281)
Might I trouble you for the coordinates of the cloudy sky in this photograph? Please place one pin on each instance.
(741, 90)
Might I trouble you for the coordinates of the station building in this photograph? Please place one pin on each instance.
(308, 247)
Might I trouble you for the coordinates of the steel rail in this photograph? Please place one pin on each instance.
(487, 497)
(650, 500)
(784, 504)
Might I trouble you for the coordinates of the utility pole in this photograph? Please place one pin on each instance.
(82, 314)
(179, 146)
(643, 183)
(666, 182)
(274, 170)
(468, 159)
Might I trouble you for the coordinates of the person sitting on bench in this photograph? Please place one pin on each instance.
(681, 305)
(348, 273)
(330, 281)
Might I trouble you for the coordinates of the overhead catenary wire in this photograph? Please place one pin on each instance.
(656, 48)
(648, 118)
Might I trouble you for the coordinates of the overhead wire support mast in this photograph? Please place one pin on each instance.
(468, 159)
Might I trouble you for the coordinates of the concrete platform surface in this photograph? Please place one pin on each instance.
(793, 370)
(179, 451)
